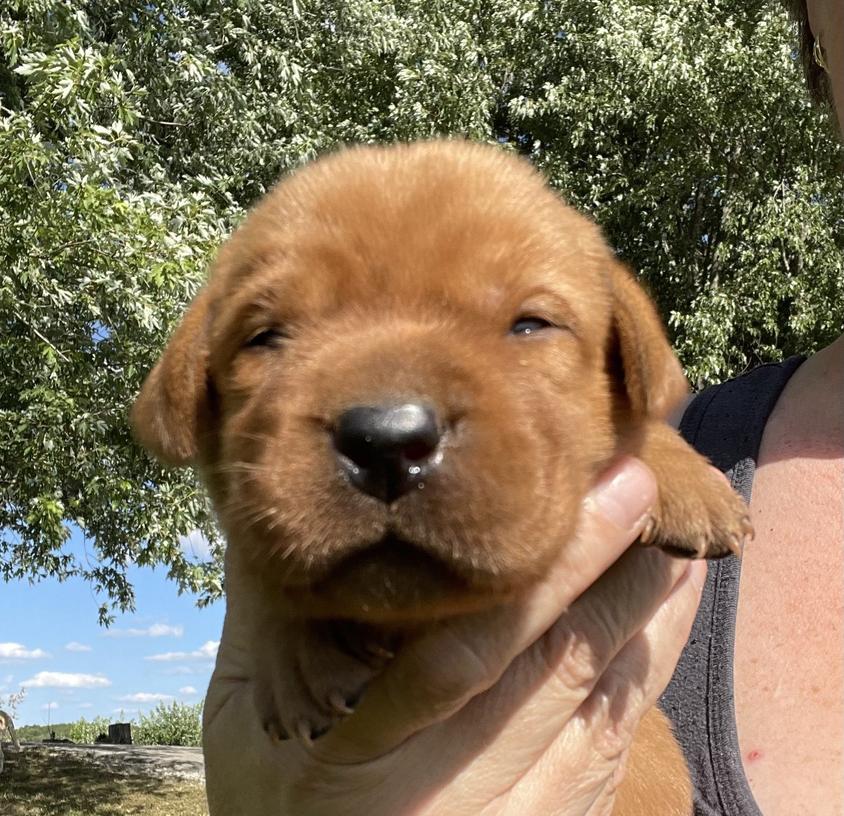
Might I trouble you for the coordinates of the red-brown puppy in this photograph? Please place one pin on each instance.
(406, 369)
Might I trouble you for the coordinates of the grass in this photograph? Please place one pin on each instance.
(36, 783)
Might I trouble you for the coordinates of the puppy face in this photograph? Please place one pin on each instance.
(405, 370)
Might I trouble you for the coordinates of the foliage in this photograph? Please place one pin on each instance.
(133, 136)
(176, 724)
(10, 702)
(87, 731)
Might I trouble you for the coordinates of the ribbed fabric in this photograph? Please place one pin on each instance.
(725, 423)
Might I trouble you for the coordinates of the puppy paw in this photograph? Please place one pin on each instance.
(697, 514)
(710, 522)
(312, 674)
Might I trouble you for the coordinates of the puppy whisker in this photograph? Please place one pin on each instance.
(263, 515)
(256, 437)
(251, 517)
(248, 466)
(282, 555)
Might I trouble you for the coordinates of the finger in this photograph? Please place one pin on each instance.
(587, 749)
(577, 650)
(640, 672)
(240, 760)
(545, 687)
(436, 675)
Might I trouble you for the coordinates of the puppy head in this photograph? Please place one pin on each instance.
(407, 366)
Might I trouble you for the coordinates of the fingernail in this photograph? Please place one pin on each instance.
(624, 493)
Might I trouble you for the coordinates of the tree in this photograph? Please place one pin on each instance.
(134, 136)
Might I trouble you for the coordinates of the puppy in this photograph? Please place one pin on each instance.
(407, 368)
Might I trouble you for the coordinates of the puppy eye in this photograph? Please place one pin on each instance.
(529, 325)
(271, 338)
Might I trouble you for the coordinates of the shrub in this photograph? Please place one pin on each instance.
(174, 724)
(87, 730)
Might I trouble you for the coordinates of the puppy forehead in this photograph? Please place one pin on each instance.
(449, 222)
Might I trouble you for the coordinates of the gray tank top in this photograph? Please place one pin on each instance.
(725, 423)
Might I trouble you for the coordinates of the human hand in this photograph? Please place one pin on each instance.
(527, 708)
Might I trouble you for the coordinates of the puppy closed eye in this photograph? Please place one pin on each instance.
(530, 325)
(267, 338)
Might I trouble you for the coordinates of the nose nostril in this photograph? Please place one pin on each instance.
(387, 449)
(359, 454)
(418, 450)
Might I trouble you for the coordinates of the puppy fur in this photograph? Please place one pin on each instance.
(381, 276)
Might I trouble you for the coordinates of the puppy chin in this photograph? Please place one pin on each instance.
(393, 581)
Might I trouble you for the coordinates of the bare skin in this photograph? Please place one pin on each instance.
(789, 670)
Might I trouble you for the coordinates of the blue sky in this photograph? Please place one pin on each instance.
(51, 643)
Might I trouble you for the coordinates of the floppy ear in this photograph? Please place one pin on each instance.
(167, 414)
(640, 354)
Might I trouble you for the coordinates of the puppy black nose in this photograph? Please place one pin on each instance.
(386, 450)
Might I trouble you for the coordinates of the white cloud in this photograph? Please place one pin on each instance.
(208, 651)
(195, 545)
(66, 680)
(182, 670)
(73, 646)
(156, 630)
(17, 651)
(49, 706)
(86, 705)
(163, 630)
(145, 697)
(188, 691)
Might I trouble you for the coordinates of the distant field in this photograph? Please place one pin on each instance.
(36, 733)
(35, 783)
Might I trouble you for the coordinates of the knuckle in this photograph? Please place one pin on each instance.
(451, 670)
(572, 660)
(613, 740)
(577, 654)
(612, 714)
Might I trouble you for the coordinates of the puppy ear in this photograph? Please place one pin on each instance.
(167, 414)
(641, 357)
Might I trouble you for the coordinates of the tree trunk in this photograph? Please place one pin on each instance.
(120, 734)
